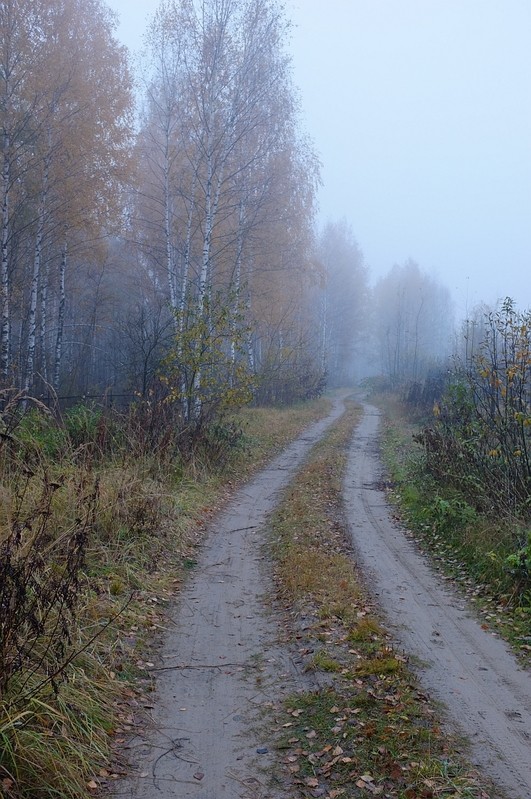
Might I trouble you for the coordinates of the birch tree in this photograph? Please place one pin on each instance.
(226, 183)
(93, 140)
(22, 61)
(66, 100)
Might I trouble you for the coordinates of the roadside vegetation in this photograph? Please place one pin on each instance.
(460, 466)
(101, 514)
(370, 730)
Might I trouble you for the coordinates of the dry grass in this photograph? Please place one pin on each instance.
(148, 520)
(324, 578)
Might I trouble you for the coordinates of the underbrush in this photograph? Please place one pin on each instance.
(372, 730)
(100, 518)
(489, 552)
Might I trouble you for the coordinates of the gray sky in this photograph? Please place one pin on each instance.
(420, 111)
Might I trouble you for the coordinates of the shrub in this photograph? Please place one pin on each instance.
(40, 568)
(82, 425)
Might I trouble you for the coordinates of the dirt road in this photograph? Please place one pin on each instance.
(221, 663)
(487, 695)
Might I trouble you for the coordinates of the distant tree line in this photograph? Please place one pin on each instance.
(172, 247)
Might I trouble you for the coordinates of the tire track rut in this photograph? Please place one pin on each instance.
(221, 663)
(486, 693)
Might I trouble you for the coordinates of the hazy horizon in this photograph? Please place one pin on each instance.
(418, 113)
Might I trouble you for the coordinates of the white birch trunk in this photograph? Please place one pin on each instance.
(211, 206)
(170, 260)
(37, 258)
(186, 261)
(250, 349)
(43, 323)
(182, 303)
(60, 320)
(4, 275)
(237, 286)
(207, 242)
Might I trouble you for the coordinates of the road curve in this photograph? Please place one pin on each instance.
(486, 693)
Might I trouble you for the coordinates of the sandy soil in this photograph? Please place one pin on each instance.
(221, 663)
(486, 693)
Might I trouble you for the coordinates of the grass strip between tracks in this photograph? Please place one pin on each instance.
(371, 730)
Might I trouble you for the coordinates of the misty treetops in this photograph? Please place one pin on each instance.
(170, 247)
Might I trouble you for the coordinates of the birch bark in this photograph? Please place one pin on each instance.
(4, 274)
(60, 319)
(37, 258)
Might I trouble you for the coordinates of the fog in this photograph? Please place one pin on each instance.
(420, 113)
